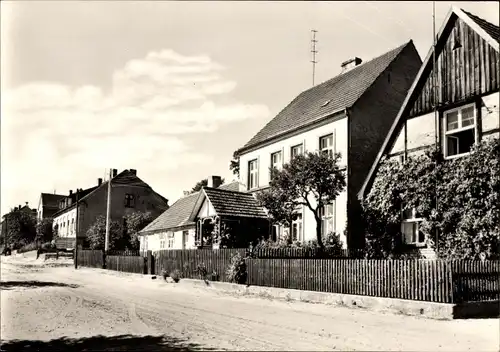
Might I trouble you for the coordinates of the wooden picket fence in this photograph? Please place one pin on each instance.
(424, 280)
(90, 258)
(475, 280)
(187, 261)
(126, 263)
(302, 253)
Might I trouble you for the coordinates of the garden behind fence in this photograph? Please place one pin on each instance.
(424, 280)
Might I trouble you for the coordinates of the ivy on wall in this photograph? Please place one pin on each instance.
(458, 199)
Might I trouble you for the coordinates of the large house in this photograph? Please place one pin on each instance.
(128, 194)
(193, 220)
(351, 114)
(48, 205)
(463, 110)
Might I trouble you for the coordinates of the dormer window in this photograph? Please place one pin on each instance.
(460, 131)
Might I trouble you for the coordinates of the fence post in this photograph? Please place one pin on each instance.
(104, 259)
(150, 262)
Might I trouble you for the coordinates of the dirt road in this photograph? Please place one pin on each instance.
(55, 308)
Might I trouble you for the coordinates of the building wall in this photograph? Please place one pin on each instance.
(154, 240)
(95, 205)
(370, 120)
(420, 130)
(310, 139)
(66, 224)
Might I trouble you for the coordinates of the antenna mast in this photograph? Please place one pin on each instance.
(314, 52)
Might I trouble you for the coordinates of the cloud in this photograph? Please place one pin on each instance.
(153, 102)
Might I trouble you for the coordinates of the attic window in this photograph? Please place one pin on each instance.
(325, 103)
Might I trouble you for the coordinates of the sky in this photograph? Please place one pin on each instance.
(170, 89)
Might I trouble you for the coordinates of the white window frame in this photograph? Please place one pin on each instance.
(328, 148)
(414, 220)
(162, 240)
(299, 223)
(299, 147)
(253, 174)
(448, 134)
(278, 164)
(327, 218)
(170, 239)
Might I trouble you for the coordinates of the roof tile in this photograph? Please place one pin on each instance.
(326, 98)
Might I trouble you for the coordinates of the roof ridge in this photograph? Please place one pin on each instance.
(400, 47)
(226, 190)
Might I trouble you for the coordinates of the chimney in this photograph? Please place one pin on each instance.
(70, 192)
(350, 64)
(133, 172)
(214, 181)
(99, 181)
(115, 172)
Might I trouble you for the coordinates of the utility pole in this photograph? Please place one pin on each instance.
(76, 230)
(435, 97)
(314, 52)
(108, 212)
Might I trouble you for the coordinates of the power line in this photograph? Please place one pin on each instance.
(314, 52)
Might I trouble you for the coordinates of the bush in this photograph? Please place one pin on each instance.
(175, 275)
(202, 271)
(33, 246)
(458, 199)
(237, 270)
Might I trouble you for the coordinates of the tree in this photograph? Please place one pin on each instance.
(312, 179)
(44, 230)
(21, 228)
(96, 234)
(200, 184)
(234, 165)
(135, 222)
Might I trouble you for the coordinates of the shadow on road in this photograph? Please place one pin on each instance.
(9, 285)
(105, 343)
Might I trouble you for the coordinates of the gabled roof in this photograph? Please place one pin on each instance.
(487, 31)
(126, 177)
(492, 30)
(180, 213)
(51, 200)
(325, 99)
(231, 203)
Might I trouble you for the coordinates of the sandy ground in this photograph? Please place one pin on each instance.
(46, 306)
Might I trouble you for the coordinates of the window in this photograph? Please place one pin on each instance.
(297, 228)
(326, 214)
(162, 241)
(276, 160)
(326, 144)
(460, 131)
(185, 237)
(277, 233)
(170, 240)
(410, 228)
(129, 200)
(297, 150)
(253, 174)
(72, 225)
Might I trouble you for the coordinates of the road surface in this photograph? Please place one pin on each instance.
(48, 307)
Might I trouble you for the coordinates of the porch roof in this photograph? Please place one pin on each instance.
(231, 203)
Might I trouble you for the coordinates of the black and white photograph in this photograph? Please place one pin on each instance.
(250, 175)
